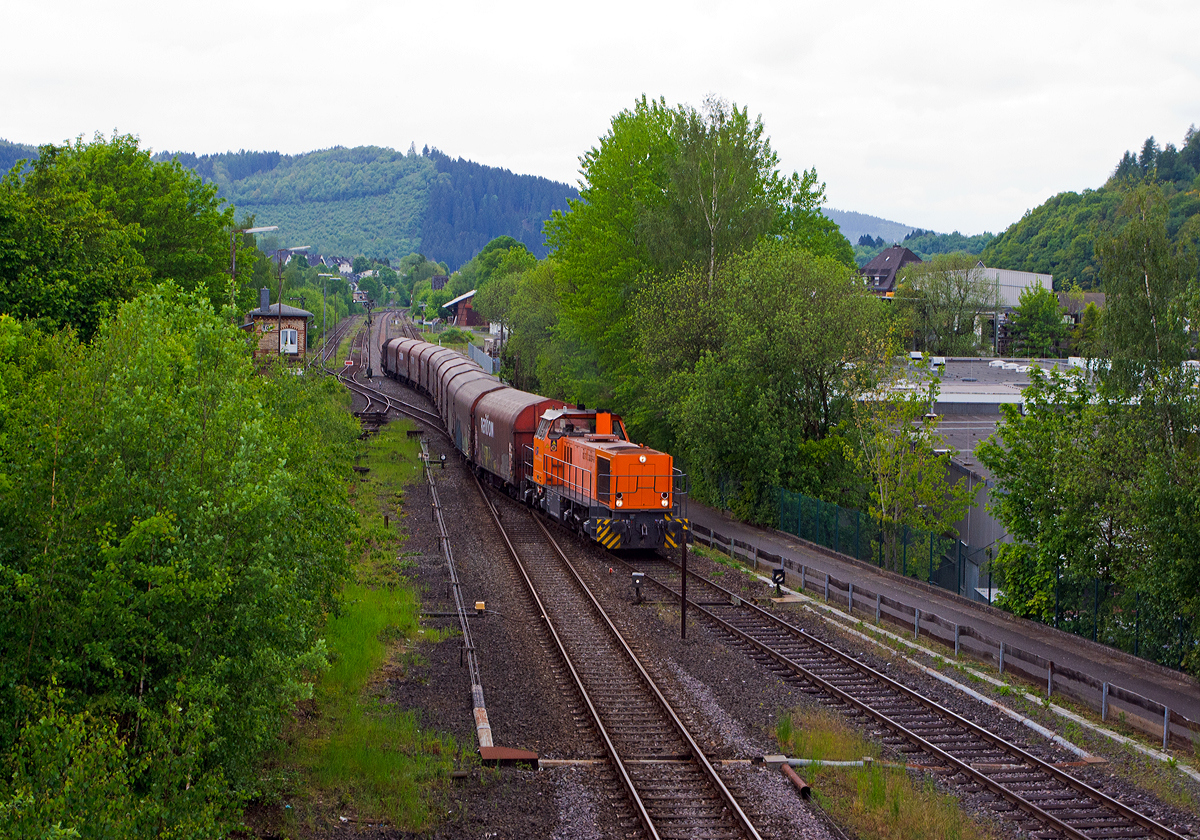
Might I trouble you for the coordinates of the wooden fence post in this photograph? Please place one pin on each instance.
(917, 623)
(1049, 678)
(1002, 657)
(1166, 727)
(1104, 702)
(878, 604)
(850, 599)
(955, 641)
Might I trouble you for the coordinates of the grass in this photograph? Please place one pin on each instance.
(872, 802)
(350, 751)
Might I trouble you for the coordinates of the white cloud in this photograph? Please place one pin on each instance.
(937, 114)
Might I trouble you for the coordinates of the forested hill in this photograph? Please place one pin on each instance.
(1060, 236)
(10, 153)
(382, 203)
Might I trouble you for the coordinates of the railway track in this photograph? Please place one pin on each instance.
(378, 403)
(1043, 799)
(674, 789)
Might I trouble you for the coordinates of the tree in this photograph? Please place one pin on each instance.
(1146, 276)
(723, 189)
(63, 261)
(938, 303)
(1038, 322)
(183, 228)
(905, 461)
(666, 188)
(769, 362)
(1086, 337)
(599, 247)
(173, 528)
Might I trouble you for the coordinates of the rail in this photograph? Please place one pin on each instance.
(1038, 669)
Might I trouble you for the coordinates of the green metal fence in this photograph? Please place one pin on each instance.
(1131, 621)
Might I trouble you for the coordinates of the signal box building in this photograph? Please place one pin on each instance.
(278, 329)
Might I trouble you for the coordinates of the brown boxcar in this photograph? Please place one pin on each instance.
(446, 369)
(463, 396)
(504, 423)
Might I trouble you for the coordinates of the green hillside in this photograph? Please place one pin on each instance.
(923, 243)
(1060, 236)
(382, 203)
(10, 153)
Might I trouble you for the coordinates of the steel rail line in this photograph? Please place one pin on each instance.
(388, 402)
(764, 632)
(648, 803)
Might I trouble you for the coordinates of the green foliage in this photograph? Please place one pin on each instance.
(172, 533)
(905, 461)
(666, 188)
(385, 203)
(184, 232)
(1038, 323)
(90, 225)
(937, 303)
(63, 261)
(924, 243)
(1146, 276)
(745, 375)
(1062, 236)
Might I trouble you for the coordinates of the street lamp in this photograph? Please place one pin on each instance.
(233, 257)
(279, 257)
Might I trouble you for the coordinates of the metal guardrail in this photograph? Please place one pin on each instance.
(1056, 677)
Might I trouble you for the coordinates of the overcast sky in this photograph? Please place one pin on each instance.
(943, 115)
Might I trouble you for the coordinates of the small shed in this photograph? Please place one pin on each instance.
(460, 312)
(278, 328)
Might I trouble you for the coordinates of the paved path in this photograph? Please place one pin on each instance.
(1178, 691)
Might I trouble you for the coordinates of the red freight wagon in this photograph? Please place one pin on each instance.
(504, 423)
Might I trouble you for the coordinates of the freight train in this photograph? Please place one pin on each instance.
(576, 464)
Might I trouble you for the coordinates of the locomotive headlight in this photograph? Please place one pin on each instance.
(664, 499)
(620, 501)
(642, 459)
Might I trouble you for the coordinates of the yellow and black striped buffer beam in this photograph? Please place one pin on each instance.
(677, 529)
(610, 532)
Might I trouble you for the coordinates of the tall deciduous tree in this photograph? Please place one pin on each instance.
(1145, 276)
(1038, 322)
(940, 300)
(905, 461)
(668, 188)
(771, 361)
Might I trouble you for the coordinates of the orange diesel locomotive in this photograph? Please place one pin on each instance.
(587, 474)
(579, 466)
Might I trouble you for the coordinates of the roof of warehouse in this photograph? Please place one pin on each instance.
(459, 298)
